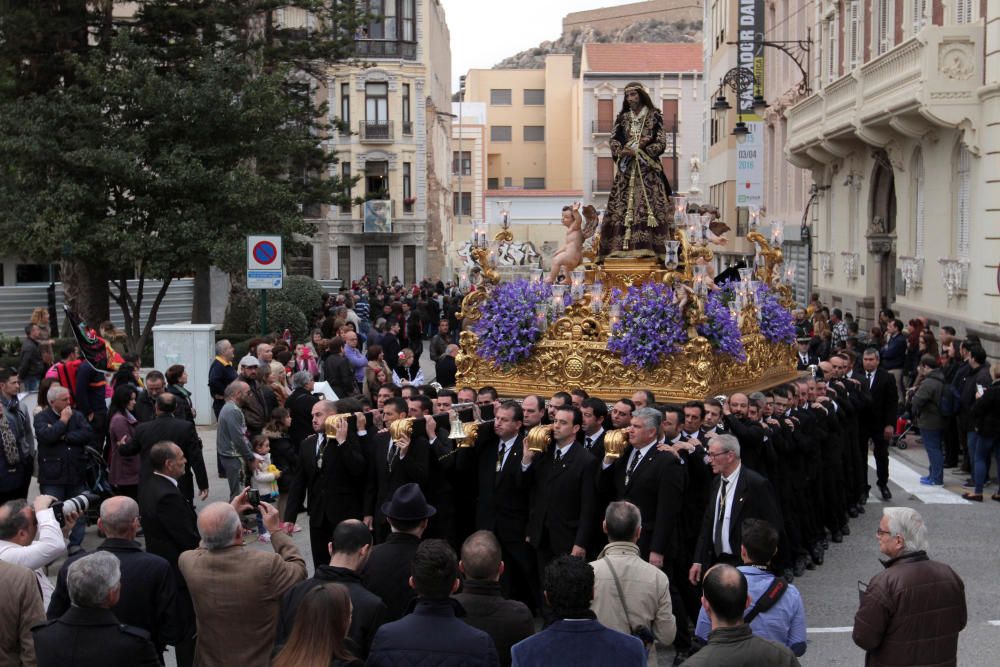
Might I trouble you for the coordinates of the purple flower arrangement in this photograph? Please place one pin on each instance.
(507, 329)
(650, 328)
(776, 322)
(721, 327)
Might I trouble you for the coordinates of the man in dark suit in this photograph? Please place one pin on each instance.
(89, 634)
(148, 592)
(432, 634)
(300, 404)
(737, 493)
(576, 637)
(506, 621)
(391, 464)
(594, 412)
(387, 572)
(750, 433)
(878, 420)
(168, 428)
(502, 498)
(171, 528)
(803, 357)
(349, 551)
(563, 481)
(330, 477)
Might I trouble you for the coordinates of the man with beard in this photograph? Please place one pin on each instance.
(638, 219)
(748, 432)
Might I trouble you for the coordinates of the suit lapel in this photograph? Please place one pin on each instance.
(640, 467)
(513, 459)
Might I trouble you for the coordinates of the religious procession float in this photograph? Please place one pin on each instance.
(631, 301)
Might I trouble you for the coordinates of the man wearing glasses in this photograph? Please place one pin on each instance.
(736, 493)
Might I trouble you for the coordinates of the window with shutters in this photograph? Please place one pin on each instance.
(605, 116)
(919, 18)
(534, 97)
(344, 262)
(461, 203)
(500, 96)
(853, 35)
(832, 57)
(669, 114)
(964, 12)
(884, 26)
(963, 205)
(918, 203)
(500, 133)
(534, 133)
(534, 183)
(605, 174)
(345, 178)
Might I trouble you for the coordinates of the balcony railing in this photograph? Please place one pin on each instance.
(386, 48)
(602, 126)
(602, 184)
(375, 131)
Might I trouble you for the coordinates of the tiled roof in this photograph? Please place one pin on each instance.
(643, 57)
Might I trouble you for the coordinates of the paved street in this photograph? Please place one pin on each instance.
(960, 533)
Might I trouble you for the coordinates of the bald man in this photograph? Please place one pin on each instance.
(148, 591)
(228, 581)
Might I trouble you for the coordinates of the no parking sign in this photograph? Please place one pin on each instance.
(264, 262)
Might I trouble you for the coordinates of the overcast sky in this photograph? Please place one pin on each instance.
(484, 33)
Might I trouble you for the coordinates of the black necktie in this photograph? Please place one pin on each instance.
(390, 454)
(501, 450)
(631, 465)
(870, 375)
(722, 516)
(558, 455)
(589, 442)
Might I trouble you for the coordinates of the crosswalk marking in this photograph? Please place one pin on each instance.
(901, 474)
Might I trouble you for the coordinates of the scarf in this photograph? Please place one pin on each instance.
(10, 449)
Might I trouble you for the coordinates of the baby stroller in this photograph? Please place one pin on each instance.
(903, 426)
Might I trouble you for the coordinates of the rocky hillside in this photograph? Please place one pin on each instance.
(642, 31)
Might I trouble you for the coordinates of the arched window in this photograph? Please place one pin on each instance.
(963, 212)
(918, 203)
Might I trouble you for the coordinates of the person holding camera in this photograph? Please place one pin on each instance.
(30, 536)
(631, 595)
(63, 435)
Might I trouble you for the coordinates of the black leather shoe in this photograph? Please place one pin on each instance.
(845, 530)
(852, 512)
(837, 537)
(800, 567)
(810, 565)
(886, 493)
(860, 508)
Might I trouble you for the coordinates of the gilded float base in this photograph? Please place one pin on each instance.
(695, 373)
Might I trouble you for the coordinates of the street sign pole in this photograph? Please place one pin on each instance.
(263, 312)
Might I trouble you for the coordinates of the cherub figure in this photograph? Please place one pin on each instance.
(569, 255)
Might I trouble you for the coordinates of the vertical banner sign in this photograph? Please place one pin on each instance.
(750, 153)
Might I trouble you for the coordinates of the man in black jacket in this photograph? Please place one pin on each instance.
(349, 550)
(145, 404)
(563, 498)
(737, 493)
(506, 621)
(63, 434)
(171, 527)
(148, 594)
(878, 422)
(337, 370)
(330, 477)
(502, 498)
(165, 427)
(391, 464)
(89, 634)
(749, 432)
(300, 404)
(387, 572)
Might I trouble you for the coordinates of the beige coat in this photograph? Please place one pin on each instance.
(237, 595)
(20, 608)
(647, 594)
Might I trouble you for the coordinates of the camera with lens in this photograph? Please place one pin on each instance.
(78, 504)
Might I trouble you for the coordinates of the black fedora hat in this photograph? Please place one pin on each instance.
(408, 504)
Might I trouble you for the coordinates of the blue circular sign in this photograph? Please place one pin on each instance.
(265, 252)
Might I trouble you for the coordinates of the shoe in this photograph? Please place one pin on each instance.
(996, 497)
(837, 537)
(810, 564)
(845, 530)
(886, 493)
(852, 512)
(680, 657)
(800, 567)
(927, 481)
(296, 528)
(265, 538)
(977, 497)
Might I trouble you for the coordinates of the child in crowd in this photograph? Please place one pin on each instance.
(265, 479)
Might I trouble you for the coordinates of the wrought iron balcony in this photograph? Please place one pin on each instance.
(375, 131)
(385, 48)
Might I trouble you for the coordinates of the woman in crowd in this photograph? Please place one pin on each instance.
(986, 429)
(283, 454)
(377, 372)
(123, 471)
(43, 393)
(176, 379)
(407, 370)
(319, 634)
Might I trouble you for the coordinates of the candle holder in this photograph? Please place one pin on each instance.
(597, 296)
(478, 234)
(559, 299)
(542, 317)
(788, 272)
(753, 217)
(701, 279)
(673, 254)
(576, 280)
(680, 206)
(745, 274)
(694, 229)
(535, 274)
(777, 233)
(615, 315)
(463, 280)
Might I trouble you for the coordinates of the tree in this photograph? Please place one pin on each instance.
(185, 131)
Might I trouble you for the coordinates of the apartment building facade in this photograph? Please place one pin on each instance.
(398, 110)
(902, 142)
